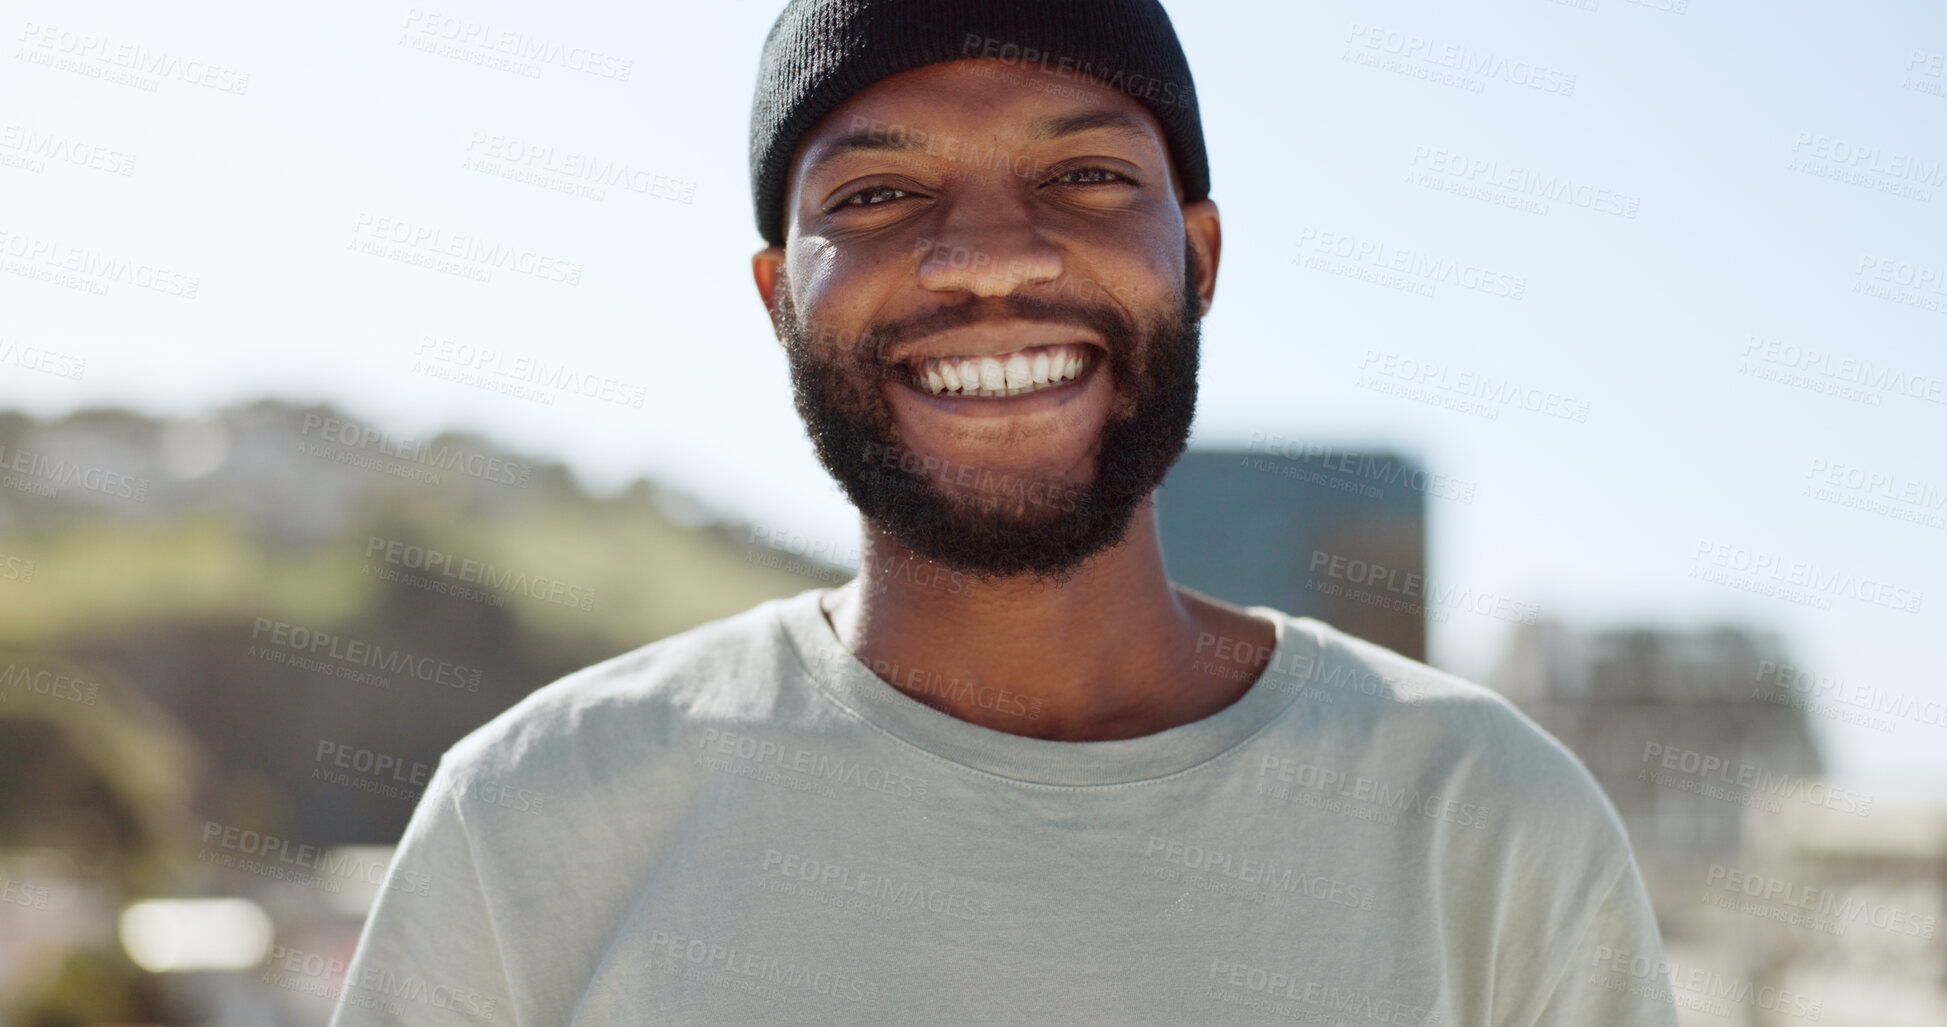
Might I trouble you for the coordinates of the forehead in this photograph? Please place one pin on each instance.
(978, 101)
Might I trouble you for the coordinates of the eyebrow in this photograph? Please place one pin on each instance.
(1088, 121)
(1046, 130)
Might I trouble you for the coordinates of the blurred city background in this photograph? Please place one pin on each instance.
(1590, 349)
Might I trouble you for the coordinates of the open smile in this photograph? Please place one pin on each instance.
(1017, 373)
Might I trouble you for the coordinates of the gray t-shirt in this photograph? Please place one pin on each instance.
(743, 824)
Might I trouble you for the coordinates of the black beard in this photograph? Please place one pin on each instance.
(1005, 526)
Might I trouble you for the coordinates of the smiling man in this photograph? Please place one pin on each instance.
(1011, 773)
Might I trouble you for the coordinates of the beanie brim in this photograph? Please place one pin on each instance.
(822, 52)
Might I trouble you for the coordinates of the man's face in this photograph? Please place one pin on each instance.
(990, 305)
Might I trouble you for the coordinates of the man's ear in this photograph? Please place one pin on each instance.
(765, 265)
(1206, 234)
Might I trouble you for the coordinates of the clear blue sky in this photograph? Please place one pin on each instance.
(1784, 164)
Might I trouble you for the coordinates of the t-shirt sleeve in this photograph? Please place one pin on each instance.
(430, 953)
(1615, 972)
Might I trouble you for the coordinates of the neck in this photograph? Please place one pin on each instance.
(1117, 651)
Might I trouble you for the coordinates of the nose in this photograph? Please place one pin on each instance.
(990, 261)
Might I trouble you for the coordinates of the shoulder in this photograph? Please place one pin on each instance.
(602, 719)
(1448, 732)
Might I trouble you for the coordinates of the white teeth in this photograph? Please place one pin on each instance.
(1018, 374)
(1012, 374)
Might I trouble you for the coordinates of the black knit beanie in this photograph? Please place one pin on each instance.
(821, 52)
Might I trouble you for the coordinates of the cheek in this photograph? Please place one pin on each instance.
(1163, 267)
(1141, 283)
(841, 292)
(1134, 268)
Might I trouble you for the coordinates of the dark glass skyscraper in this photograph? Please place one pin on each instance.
(1314, 530)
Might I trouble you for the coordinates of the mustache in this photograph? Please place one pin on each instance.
(880, 339)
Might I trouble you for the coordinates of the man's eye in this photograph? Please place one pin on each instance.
(872, 197)
(1088, 176)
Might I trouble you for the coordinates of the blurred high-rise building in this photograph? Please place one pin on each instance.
(1783, 896)
(1312, 530)
(1623, 700)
